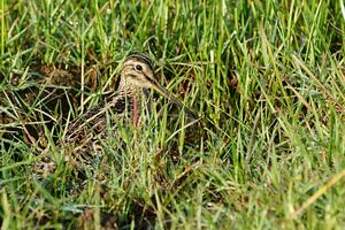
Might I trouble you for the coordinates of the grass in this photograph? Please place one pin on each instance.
(270, 74)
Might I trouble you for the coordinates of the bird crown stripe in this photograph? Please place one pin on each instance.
(142, 57)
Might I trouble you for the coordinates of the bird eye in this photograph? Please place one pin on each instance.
(139, 67)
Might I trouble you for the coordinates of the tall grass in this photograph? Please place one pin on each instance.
(269, 74)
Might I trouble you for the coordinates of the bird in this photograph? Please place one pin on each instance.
(84, 134)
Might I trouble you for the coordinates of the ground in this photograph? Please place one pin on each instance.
(267, 78)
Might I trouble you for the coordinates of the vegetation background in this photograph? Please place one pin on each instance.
(269, 74)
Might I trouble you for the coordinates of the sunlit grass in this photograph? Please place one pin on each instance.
(268, 75)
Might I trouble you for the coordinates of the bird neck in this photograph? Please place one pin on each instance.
(131, 96)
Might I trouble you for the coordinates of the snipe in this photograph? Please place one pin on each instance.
(84, 135)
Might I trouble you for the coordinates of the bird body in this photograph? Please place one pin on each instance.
(84, 136)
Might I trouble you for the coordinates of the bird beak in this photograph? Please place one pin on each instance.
(158, 87)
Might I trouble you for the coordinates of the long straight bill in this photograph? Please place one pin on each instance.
(172, 98)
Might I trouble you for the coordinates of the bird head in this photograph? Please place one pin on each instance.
(138, 73)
